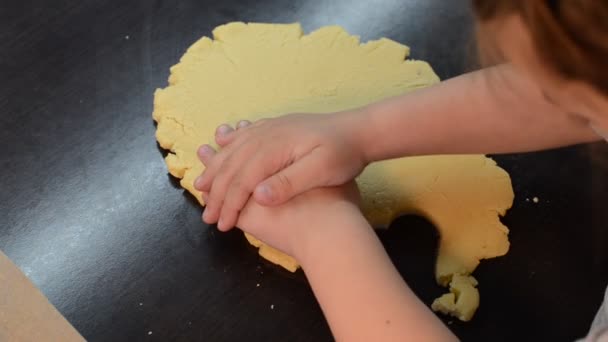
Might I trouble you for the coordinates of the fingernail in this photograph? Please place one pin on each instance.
(198, 181)
(205, 149)
(224, 129)
(243, 123)
(220, 224)
(264, 192)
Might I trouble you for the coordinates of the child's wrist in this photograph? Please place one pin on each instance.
(362, 131)
(315, 244)
(356, 123)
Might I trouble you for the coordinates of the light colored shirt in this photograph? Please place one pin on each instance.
(601, 132)
(599, 327)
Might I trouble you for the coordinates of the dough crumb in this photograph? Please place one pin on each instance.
(463, 299)
(141, 304)
(271, 306)
(149, 332)
(535, 200)
(257, 285)
(127, 37)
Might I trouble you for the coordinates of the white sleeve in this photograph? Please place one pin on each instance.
(601, 132)
(599, 327)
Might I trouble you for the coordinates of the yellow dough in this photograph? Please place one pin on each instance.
(250, 71)
(463, 299)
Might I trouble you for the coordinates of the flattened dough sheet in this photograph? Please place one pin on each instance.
(253, 71)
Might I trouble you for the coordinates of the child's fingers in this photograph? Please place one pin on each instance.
(224, 135)
(239, 190)
(224, 173)
(205, 153)
(205, 196)
(220, 172)
(243, 124)
(210, 215)
(291, 181)
(213, 163)
(223, 129)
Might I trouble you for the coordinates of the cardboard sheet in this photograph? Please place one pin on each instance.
(25, 313)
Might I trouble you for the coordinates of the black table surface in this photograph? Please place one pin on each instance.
(90, 215)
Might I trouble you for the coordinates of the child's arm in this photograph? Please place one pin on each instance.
(495, 110)
(361, 293)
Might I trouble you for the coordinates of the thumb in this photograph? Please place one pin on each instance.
(297, 178)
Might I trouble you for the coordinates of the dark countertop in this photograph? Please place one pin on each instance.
(89, 213)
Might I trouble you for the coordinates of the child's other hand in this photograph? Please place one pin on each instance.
(290, 226)
(277, 159)
(287, 226)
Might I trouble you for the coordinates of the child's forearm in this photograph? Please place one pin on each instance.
(494, 110)
(361, 293)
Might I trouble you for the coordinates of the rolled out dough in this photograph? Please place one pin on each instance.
(250, 71)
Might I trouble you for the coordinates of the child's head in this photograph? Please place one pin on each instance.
(562, 44)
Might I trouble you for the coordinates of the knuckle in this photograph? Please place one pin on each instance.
(205, 174)
(226, 169)
(238, 193)
(284, 182)
(215, 164)
(218, 188)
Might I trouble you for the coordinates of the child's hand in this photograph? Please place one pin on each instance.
(287, 226)
(290, 226)
(277, 159)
